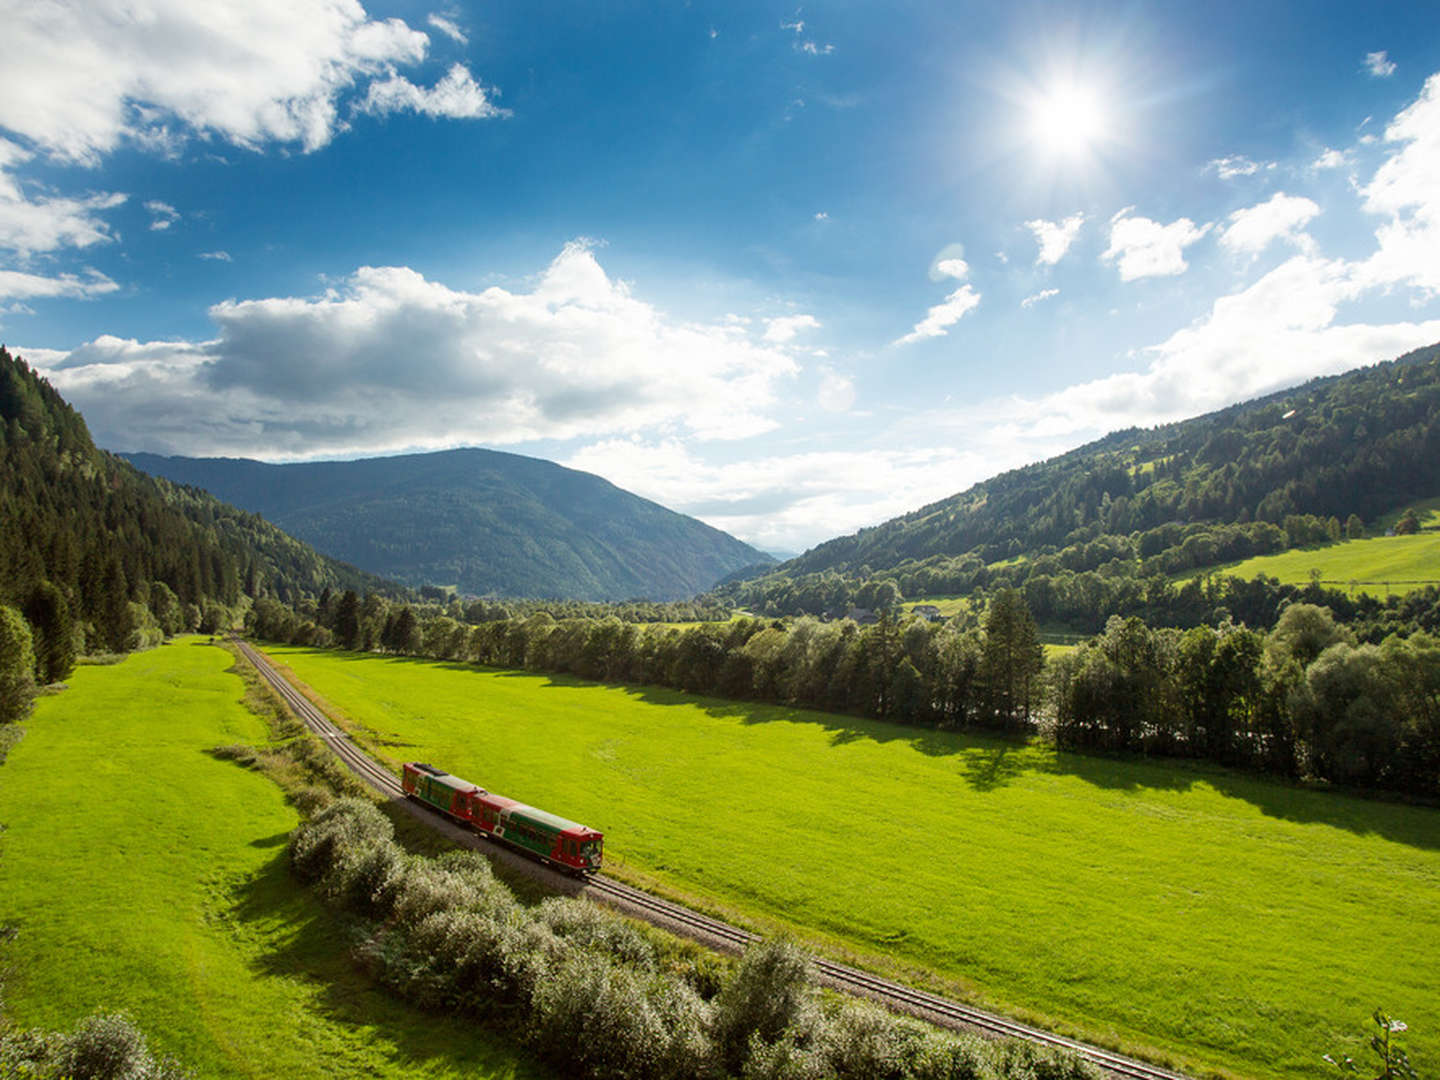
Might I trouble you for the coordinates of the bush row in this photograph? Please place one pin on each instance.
(596, 996)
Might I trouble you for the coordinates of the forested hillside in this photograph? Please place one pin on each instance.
(1299, 467)
(484, 521)
(100, 556)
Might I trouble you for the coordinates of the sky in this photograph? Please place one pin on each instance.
(791, 269)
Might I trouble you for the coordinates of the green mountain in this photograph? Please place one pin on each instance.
(483, 521)
(1285, 470)
(120, 551)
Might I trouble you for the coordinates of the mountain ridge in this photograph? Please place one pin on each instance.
(485, 521)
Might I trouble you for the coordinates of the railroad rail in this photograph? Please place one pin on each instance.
(938, 1010)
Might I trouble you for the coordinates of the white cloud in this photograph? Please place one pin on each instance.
(162, 215)
(218, 256)
(821, 215)
(457, 96)
(82, 78)
(1282, 217)
(813, 49)
(1237, 164)
(15, 285)
(942, 316)
(449, 28)
(1145, 248)
(391, 360)
(1055, 237)
(837, 392)
(784, 328)
(955, 268)
(1331, 159)
(1035, 298)
(48, 222)
(1278, 332)
(1406, 188)
(788, 501)
(1379, 65)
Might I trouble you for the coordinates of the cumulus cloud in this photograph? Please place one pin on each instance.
(1035, 298)
(1379, 64)
(15, 285)
(1406, 190)
(162, 215)
(955, 268)
(1331, 159)
(392, 360)
(217, 256)
(942, 316)
(1055, 237)
(1145, 248)
(784, 328)
(1282, 217)
(83, 78)
(457, 96)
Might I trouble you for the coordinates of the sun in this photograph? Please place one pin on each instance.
(1068, 119)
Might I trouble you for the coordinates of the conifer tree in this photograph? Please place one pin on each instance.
(1012, 658)
(54, 639)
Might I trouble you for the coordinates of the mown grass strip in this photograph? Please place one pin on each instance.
(141, 872)
(1225, 921)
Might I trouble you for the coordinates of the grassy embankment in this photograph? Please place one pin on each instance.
(1223, 920)
(141, 873)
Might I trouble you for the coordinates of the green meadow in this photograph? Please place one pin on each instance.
(139, 873)
(1215, 920)
(1381, 566)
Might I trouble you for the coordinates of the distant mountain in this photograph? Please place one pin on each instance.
(484, 521)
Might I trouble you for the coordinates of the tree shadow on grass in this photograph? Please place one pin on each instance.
(315, 948)
(989, 762)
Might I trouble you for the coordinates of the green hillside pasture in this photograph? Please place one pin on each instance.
(141, 873)
(1229, 922)
(1406, 562)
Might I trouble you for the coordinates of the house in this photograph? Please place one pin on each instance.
(862, 615)
(928, 612)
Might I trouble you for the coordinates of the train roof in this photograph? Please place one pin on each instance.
(547, 819)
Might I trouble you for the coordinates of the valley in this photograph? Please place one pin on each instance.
(1096, 895)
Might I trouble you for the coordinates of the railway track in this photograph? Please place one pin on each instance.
(939, 1010)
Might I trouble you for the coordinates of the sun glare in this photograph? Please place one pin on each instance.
(1067, 119)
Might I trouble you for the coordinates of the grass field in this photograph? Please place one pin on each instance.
(140, 873)
(1225, 921)
(1369, 563)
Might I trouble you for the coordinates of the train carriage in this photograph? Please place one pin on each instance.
(437, 788)
(547, 836)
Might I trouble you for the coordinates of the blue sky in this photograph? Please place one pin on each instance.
(791, 269)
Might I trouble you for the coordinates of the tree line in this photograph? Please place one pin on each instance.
(97, 557)
(1305, 700)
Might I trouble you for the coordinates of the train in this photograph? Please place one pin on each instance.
(574, 848)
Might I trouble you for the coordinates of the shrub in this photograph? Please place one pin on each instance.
(770, 992)
(337, 832)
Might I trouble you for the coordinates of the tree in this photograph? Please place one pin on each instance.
(17, 666)
(1409, 524)
(347, 620)
(53, 630)
(1012, 658)
(1354, 528)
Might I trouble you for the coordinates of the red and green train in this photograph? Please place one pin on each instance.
(550, 838)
